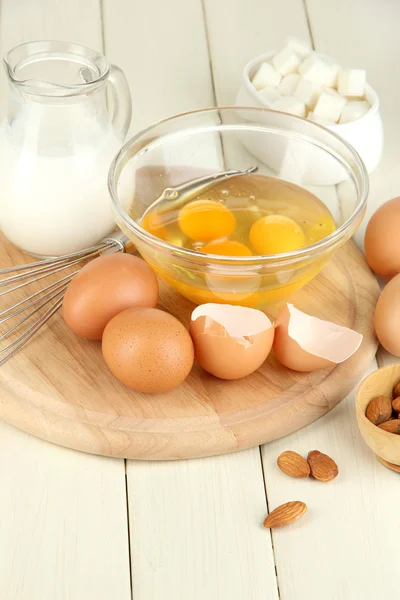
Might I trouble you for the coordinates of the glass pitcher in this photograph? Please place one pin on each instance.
(56, 145)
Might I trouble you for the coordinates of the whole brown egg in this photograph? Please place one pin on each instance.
(387, 317)
(382, 240)
(148, 349)
(105, 287)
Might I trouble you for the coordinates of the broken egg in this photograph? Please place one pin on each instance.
(230, 342)
(306, 343)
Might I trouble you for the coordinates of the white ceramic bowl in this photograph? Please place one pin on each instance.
(364, 134)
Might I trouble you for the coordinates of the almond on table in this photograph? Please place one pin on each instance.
(322, 466)
(293, 464)
(285, 514)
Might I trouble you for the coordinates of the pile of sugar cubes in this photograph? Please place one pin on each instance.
(299, 81)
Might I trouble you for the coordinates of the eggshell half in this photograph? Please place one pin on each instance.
(230, 342)
(387, 317)
(305, 343)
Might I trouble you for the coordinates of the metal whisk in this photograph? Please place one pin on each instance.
(51, 296)
(19, 277)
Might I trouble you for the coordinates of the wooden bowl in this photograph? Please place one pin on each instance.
(385, 445)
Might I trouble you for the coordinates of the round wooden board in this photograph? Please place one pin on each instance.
(59, 388)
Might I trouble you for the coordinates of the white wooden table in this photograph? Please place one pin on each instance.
(80, 527)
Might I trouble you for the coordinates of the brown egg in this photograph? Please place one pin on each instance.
(230, 341)
(382, 240)
(105, 287)
(387, 316)
(305, 343)
(148, 349)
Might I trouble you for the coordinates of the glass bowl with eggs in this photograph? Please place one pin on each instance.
(224, 205)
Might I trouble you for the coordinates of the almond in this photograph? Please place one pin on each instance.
(396, 390)
(285, 514)
(392, 426)
(379, 410)
(396, 404)
(293, 464)
(322, 466)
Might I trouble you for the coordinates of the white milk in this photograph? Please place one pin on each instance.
(55, 202)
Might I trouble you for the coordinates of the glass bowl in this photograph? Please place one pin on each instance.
(202, 142)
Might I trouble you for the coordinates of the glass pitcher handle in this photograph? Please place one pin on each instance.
(122, 102)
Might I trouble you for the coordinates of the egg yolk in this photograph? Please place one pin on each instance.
(152, 223)
(275, 234)
(206, 220)
(226, 248)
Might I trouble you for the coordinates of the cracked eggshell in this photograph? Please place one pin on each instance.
(230, 342)
(305, 343)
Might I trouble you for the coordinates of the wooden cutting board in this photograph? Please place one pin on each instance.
(59, 388)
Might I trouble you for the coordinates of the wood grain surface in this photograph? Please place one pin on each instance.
(59, 388)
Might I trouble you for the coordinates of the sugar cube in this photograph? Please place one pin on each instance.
(330, 105)
(354, 110)
(269, 94)
(299, 46)
(308, 92)
(332, 76)
(291, 105)
(315, 69)
(266, 75)
(286, 61)
(352, 82)
(288, 84)
(320, 120)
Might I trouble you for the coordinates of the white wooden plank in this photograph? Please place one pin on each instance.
(162, 48)
(63, 523)
(197, 530)
(345, 547)
(195, 526)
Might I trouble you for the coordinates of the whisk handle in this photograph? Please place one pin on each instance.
(123, 243)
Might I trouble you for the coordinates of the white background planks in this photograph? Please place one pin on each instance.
(196, 526)
(162, 48)
(63, 516)
(197, 530)
(63, 523)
